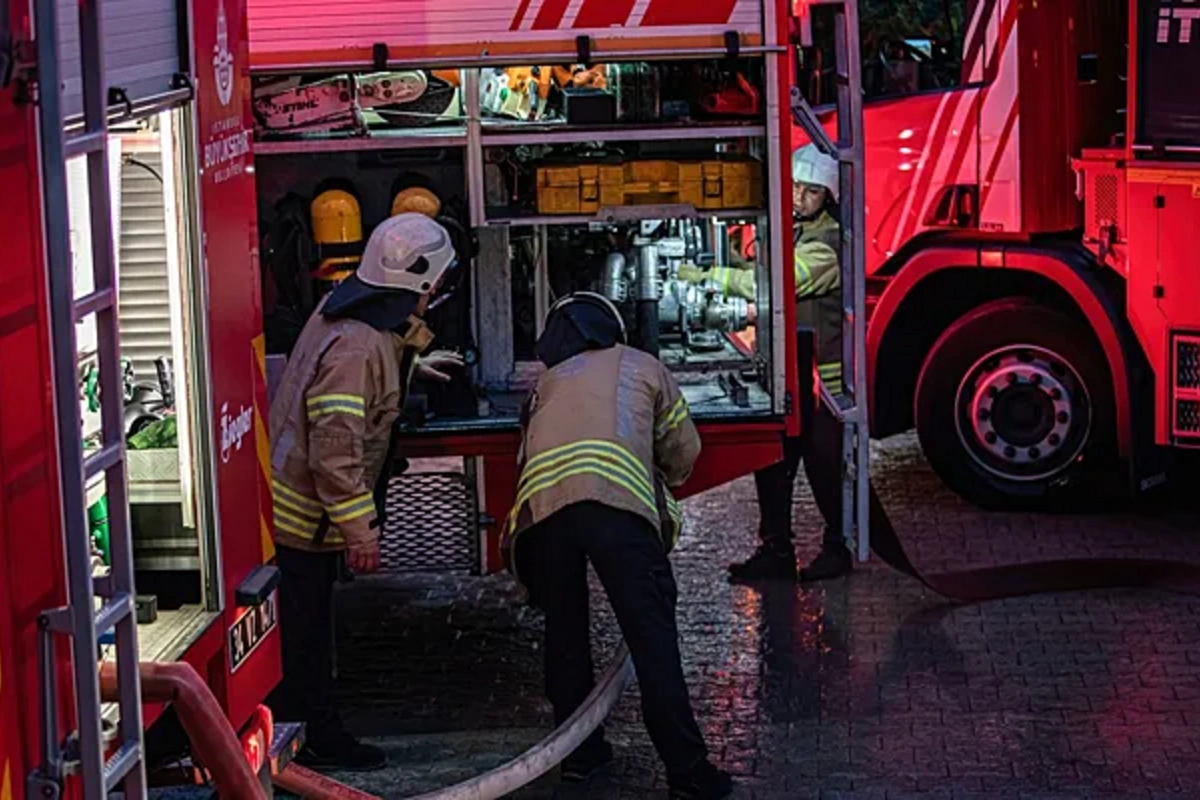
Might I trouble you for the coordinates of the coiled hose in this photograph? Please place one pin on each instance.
(524, 769)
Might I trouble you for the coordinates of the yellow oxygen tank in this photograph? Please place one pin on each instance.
(416, 199)
(338, 233)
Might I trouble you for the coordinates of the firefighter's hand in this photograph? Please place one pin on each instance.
(363, 558)
(692, 274)
(436, 366)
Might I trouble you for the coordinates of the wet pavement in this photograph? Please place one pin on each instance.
(865, 687)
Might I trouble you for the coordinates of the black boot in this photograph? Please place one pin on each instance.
(769, 563)
(339, 751)
(586, 762)
(833, 561)
(705, 782)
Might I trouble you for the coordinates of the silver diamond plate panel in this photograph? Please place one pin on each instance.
(431, 524)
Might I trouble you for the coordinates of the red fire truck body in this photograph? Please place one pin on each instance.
(182, 191)
(184, 306)
(1015, 184)
(292, 43)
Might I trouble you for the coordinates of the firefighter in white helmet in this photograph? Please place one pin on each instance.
(816, 245)
(331, 431)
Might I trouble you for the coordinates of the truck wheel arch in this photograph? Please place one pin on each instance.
(1065, 269)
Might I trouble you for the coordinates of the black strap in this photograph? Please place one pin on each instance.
(385, 475)
(322, 529)
(388, 470)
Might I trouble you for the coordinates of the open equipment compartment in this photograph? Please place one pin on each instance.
(551, 178)
(163, 349)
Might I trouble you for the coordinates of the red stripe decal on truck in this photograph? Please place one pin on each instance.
(688, 12)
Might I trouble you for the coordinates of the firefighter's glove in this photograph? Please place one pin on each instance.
(436, 366)
(692, 274)
(363, 557)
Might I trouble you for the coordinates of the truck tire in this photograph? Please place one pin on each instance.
(1014, 407)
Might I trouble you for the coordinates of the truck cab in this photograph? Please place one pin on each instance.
(1011, 325)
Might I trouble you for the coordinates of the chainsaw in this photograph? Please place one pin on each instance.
(289, 107)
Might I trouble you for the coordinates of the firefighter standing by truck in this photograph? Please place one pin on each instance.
(331, 436)
(817, 239)
(606, 433)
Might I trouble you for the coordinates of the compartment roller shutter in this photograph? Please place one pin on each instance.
(144, 310)
(141, 52)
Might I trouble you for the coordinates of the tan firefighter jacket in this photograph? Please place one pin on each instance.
(331, 424)
(818, 290)
(608, 426)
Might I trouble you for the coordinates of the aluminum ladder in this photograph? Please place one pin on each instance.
(98, 774)
(851, 407)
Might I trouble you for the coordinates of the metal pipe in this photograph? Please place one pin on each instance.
(474, 155)
(647, 298)
(507, 778)
(720, 244)
(647, 274)
(614, 277)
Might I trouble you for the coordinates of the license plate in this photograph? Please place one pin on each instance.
(250, 629)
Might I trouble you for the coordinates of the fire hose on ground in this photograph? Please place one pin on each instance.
(522, 770)
(213, 739)
(216, 745)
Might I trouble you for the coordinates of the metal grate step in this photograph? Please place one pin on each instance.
(432, 524)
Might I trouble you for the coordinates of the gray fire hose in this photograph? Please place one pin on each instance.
(546, 754)
(522, 770)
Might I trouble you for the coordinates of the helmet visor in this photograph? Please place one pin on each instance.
(447, 285)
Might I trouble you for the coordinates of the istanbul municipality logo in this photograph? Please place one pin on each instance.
(223, 59)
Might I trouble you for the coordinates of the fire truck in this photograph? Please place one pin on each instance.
(153, 153)
(574, 145)
(1031, 184)
(135, 517)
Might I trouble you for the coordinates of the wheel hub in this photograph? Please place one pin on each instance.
(1023, 413)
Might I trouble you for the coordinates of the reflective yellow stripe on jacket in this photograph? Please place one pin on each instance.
(672, 418)
(607, 460)
(676, 514)
(352, 509)
(321, 405)
(804, 276)
(296, 514)
(831, 374)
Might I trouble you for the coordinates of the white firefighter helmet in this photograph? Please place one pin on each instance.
(810, 165)
(408, 251)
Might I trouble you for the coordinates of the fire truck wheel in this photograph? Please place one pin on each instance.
(1013, 402)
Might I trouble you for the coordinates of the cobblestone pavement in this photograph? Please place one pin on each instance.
(867, 687)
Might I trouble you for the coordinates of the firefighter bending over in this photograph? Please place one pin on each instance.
(331, 432)
(817, 239)
(606, 432)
